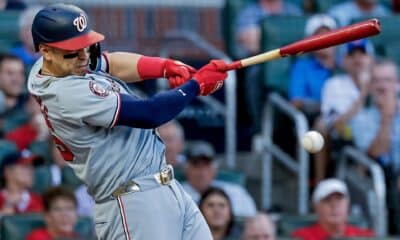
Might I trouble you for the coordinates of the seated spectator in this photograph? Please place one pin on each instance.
(15, 197)
(248, 33)
(376, 130)
(259, 227)
(309, 74)
(343, 96)
(59, 214)
(331, 203)
(217, 211)
(200, 171)
(26, 50)
(12, 80)
(348, 11)
(173, 137)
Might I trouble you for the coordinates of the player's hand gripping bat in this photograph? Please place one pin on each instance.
(342, 35)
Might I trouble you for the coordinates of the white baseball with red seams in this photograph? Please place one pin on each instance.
(312, 141)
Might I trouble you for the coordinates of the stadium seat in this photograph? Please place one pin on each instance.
(288, 223)
(278, 31)
(223, 175)
(17, 227)
(43, 181)
(14, 119)
(393, 52)
(41, 148)
(6, 147)
(8, 29)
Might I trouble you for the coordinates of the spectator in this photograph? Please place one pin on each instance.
(15, 197)
(345, 13)
(173, 137)
(217, 210)
(382, 139)
(331, 202)
(309, 74)
(343, 96)
(200, 171)
(248, 33)
(12, 82)
(259, 227)
(59, 214)
(26, 50)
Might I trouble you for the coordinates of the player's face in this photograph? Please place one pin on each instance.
(62, 216)
(333, 209)
(12, 77)
(216, 211)
(63, 63)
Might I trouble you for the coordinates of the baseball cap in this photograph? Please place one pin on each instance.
(200, 150)
(328, 187)
(24, 157)
(362, 44)
(318, 21)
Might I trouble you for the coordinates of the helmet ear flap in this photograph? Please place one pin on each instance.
(95, 57)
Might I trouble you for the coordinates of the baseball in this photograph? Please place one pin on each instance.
(312, 141)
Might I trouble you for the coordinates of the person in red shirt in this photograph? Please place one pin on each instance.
(15, 197)
(331, 201)
(60, 215)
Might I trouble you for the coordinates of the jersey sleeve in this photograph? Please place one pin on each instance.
(88, 102)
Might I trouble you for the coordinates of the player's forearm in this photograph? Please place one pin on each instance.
(124, 66)
(157, 110)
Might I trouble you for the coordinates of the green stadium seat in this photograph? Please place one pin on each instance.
(9, 29)
(14, 119)
(17, 227)
(325, 5)
(389, 33)
(43, 181)
(41, 148)
(229, 15)
(223, 175)
(288, 223)
(278, 31)
(6, 147)
(393, 52)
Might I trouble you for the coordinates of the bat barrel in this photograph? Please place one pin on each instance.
(342, 35)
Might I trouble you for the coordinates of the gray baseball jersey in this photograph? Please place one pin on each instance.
(81, 112)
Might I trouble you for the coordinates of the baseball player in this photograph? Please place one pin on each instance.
(107, 134)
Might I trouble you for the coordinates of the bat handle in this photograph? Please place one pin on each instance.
(234, 65)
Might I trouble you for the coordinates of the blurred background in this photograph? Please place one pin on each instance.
(242, 143)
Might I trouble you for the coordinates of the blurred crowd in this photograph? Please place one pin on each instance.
(348, 93)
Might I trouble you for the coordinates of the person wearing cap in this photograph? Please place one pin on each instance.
(345, 13)
(106, 132)
(331, 203)
(382, 139)
(200, 172)
(343, 96)
(308, 75)
(15, 197)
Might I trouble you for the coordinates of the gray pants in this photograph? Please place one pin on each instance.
(155, 212)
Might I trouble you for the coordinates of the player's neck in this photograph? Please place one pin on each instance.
(50, 70)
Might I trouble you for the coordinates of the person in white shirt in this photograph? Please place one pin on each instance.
(200, 171)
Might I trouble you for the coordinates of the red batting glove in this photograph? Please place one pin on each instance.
(177, 72)
(211, 77)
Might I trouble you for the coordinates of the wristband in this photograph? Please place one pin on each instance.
(151, 67)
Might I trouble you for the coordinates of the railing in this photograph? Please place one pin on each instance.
(229, 111)
(377, 197)
(298, 165)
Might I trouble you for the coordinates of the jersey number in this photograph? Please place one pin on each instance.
(64, 150)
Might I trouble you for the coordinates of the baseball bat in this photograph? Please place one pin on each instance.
(342, 35)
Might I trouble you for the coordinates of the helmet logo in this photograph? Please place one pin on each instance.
(80, 23)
